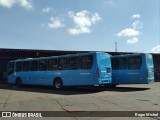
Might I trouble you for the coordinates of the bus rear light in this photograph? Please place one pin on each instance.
(108, 70)
(98, 73)
(147, 72)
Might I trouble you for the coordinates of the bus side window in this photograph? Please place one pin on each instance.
(11, 68)
(63, 64)
(42, 65)
(19, 66)
(86, 62)
(34, 65)
(134, 62)
(26, 65)
(73, 63)
(52, 64)
(119, 63)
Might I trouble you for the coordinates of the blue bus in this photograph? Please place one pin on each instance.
(132, 69)
(58, 71)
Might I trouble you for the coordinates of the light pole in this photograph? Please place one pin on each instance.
(116, 46)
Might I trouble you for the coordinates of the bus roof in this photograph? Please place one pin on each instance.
(61, 56)
(135, 54)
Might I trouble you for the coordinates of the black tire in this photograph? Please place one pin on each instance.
(18, 82)
(58, 84)
(111, 85)
(10, 85)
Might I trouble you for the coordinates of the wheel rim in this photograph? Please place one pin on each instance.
(58, 84)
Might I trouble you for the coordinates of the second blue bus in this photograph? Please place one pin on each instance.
(132, 69)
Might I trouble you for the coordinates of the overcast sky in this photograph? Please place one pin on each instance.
(81, 25)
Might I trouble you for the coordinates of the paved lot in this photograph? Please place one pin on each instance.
(122, 98)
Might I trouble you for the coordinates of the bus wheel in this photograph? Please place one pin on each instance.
(111, 86)
(18, 82)
(58, 84)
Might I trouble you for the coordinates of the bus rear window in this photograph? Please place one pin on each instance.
(103, 59)
(149, 60)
